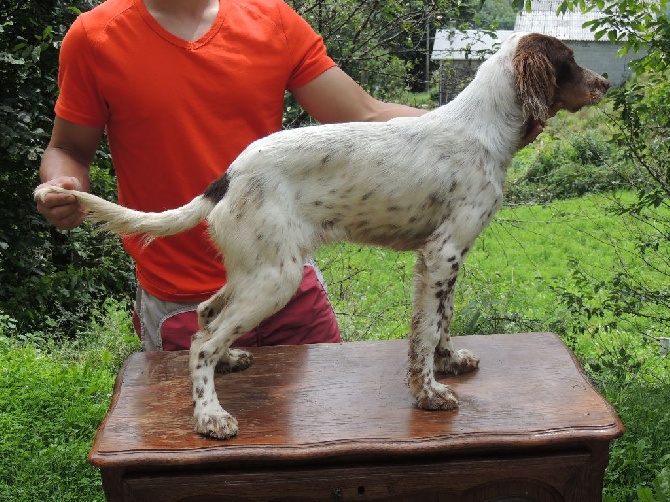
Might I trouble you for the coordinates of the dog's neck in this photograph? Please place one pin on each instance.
(489, 109)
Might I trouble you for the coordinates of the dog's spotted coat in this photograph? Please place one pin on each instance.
(430, 184)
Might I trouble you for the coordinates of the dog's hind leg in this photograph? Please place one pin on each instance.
(249, 298)
(436, 271)
(231, 359)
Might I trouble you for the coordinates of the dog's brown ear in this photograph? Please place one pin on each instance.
(536, 80)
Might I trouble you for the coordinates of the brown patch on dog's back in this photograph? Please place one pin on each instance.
(218, 189)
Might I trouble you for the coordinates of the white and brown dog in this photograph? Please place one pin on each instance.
(430, 184)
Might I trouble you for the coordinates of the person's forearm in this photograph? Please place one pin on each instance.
(387, 111)
(65, 163)
(334, 97)
(59, 163)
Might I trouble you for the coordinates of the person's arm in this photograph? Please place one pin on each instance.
(65, 163)
(333, 97)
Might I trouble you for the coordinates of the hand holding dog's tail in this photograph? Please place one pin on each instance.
(124, 221)
(60, 209)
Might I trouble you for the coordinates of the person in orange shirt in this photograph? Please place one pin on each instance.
(181, 87)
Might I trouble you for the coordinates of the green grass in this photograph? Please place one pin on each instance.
(48, 414)
(507, 282)
(639, 467)
(52, 400)
(416, 99)
(370, 290)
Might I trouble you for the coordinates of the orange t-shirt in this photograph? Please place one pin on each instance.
(177, 113)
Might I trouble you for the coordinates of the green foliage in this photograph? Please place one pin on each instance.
(51, 403)
(639, 467)
(27, 60)
(48, 413)
(370, 289)
(642, 126)
(48, 279)
(575, 156)
(496, 14)
(559, 170)
(381, 44)
(51, 279)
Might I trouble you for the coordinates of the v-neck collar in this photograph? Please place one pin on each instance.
(174, 39)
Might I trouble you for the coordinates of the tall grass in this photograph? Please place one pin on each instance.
(53, 396)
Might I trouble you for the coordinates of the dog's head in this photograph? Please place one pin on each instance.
(546, 73)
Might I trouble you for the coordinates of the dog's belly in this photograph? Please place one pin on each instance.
(404, 219)
(400, 223)
(389, 236)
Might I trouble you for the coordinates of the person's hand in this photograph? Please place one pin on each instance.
(535, 127)
(61, 210)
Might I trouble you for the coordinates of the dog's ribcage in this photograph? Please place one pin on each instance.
(389, 184)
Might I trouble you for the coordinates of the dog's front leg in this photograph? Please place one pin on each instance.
(431, 349)
(447, 358)
(208, 415)
(425, 336)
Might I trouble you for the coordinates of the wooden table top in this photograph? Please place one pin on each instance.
(315, 403)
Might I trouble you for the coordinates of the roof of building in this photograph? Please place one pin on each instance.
(543, 18)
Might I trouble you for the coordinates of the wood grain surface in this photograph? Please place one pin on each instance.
(350, 402)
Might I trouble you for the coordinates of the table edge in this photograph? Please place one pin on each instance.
(358, 449)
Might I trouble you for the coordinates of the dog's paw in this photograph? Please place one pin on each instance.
(235, 360)
(219, 424)
(437, 397)
(462, 361)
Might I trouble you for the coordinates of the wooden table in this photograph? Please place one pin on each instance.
(336, 422)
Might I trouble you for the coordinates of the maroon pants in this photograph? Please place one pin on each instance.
(307, 318)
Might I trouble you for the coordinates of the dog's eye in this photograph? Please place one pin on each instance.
(565, 71)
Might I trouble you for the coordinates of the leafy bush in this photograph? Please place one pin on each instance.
(52, 280)
(567, 162)
(48, 279)
(51, 403)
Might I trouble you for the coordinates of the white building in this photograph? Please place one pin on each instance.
(461, 53)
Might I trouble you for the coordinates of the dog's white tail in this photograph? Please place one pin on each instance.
(124, 221)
